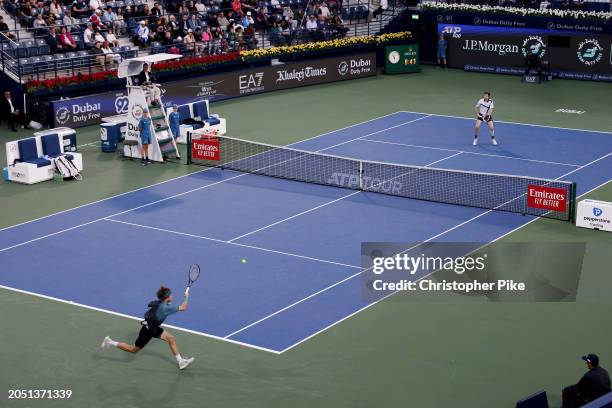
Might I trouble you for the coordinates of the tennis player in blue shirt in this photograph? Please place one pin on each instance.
(158, 311)
(175, 122)
(145, 126)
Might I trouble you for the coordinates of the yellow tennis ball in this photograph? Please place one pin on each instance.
(244, 261)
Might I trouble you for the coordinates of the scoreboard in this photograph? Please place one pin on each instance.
(401, 59)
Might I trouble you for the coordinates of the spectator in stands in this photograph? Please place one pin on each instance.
(324, 11)
(88, 37)
(111, 58)
(145, 80)
(79, 9)
(184, 25)
(194, 22)
(247, 20)
(13, 115)
(592, 385)
(97, 36)
(70, 22)
(95, 5)
(109, 19)
(129, 13)
(200, 8)
(55, 9)
(96, 20)
(67, 41)
(207, 37)
(312, 26)
(111, 38)
(156, 10)
(142, 34)
(237, 7)
(222, 20)
(5, 30)
(146, 12)
(276, 6)
(39, 9)
(384, 5)
(250, 40)
(338, 28)
(287, 12)
(40, 25)
(173, 26)
(189, 41)
(96, 52)
(53, 40)
(261, 19)
(168, 40)
(25, 14)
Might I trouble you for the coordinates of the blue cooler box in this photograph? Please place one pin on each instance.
(110, 133)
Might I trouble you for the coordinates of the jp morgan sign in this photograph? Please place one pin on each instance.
(489, 46)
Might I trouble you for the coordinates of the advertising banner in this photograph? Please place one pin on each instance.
(88, 110)
(504, 50)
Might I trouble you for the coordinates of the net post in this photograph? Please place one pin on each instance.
(361, 174)
(189, 147)
(573, 204)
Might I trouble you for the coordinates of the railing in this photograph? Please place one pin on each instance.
(21, 66)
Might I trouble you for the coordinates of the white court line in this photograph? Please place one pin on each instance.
(162, 199)
(183, 176)
(293, 216)
(375, 133)
(231, 243)
(513, 123)
(343, 280)
(455, 227)
(321, 206)
(467, 152)
(97, 309)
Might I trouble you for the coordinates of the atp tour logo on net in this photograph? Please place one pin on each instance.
(369, 183)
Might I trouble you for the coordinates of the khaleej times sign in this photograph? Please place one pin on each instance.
(504, 50)
(457, 271)
(89, 110)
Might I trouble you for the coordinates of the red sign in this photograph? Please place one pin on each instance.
(547, 198)
(206, 149)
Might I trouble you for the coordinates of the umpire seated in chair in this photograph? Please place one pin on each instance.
(146, 80)
(533, 62)
(594, 384)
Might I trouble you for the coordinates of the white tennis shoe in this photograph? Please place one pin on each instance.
(494, 141)
(185, 362)
(106, 343)
(475, 142)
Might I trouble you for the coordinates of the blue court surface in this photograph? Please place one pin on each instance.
(301, 241)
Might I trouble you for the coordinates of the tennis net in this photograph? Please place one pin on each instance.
(501, 192)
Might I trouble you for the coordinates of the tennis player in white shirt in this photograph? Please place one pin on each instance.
(484, 111)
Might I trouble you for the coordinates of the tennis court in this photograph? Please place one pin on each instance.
(301, 241)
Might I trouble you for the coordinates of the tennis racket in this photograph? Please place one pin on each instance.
(194, 273)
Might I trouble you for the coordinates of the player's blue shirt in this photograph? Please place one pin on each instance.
(145, 127)
(175, 124)
(164, 310)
